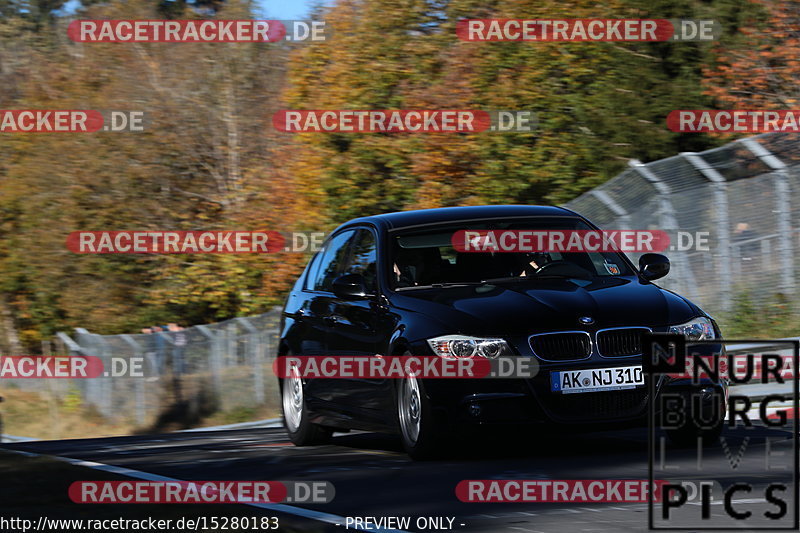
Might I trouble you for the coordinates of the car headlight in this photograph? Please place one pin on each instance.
(463, 346)
(697, 329)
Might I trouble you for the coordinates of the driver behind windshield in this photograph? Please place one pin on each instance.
(429, 258)
(536, 261)
(425, 266)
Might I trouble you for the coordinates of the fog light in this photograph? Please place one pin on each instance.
(474, 410)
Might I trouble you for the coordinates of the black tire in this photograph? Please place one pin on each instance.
(427, 441)
(301, 431)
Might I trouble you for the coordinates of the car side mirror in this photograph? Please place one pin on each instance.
(351, 287)
(653, 266)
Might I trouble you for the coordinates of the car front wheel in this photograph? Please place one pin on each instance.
(421, 437)
(295, 414)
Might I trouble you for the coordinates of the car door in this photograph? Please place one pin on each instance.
(317, 314)
(362, 328)
(307, 336)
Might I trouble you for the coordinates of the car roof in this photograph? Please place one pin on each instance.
(421, 217)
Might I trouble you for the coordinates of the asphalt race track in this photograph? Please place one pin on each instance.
(372, 477)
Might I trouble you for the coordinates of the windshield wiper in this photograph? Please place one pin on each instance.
(441, 285)
(534, 278)
(489, 281)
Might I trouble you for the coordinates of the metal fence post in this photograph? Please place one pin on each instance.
(667, 221)
(622, 216)
(73, 347)
(86, 346)
(214, 364)
(232, 340)
(783, 212)
(138, 385)
(168, 357)
(721, 213)
(256, 359)
(108, 382)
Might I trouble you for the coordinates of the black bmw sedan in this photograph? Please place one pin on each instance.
(397, 285)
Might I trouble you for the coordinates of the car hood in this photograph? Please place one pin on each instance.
(531, 307)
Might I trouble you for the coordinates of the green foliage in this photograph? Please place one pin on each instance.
(73, 401)
(599, 104)
(239, 414)
(777, 318)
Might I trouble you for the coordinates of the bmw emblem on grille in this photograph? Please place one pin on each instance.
(586, 320)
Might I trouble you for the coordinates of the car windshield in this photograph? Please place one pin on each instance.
(427, 257)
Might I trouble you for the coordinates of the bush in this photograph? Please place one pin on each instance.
(775, 318)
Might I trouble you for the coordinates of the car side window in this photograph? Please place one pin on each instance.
(363, 258)
(311, 275)
(332, 261)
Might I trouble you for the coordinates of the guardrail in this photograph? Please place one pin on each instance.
(757, 391)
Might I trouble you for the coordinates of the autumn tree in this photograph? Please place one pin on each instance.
(598, 104)
(202, 163)
(757, 66)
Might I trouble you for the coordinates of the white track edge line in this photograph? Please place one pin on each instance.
(137, 474)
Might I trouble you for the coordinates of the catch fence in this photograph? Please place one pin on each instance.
(180, 375)
(744, 197)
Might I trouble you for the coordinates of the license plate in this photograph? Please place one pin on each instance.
(596, 379)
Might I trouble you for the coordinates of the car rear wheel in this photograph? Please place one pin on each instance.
(295, 414)
(421, 438)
